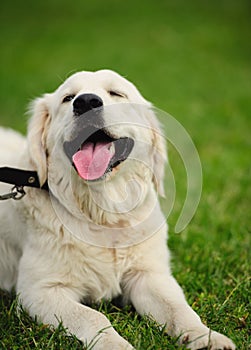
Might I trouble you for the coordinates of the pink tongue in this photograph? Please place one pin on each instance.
(92, 160)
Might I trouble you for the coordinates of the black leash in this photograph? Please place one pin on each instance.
(20, 179)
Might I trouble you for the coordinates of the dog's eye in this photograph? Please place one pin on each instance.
(68, 98)
(116, 93)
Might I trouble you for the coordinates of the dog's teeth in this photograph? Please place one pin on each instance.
(112, 148)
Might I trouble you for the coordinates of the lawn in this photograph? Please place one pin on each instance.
(191, 59)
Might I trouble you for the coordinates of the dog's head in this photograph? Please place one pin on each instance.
(95, 128)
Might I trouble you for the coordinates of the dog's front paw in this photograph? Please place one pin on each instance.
(108, 340)
(118, 344)
(206, 339)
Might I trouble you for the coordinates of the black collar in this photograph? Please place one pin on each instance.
(21, 178)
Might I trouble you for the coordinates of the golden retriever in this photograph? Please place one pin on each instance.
(97, 232)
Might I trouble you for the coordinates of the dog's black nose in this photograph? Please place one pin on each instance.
(86, 102)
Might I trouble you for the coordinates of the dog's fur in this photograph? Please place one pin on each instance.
(86, 241)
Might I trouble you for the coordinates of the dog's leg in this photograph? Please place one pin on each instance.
(9, 259)
(160, 296)
(57, 304)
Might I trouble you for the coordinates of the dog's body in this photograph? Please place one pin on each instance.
(98, 232)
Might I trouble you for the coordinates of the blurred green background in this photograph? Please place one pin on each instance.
(191, 59)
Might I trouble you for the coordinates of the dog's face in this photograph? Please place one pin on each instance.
(96, 131)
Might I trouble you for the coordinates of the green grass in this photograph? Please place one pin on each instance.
(191, 59)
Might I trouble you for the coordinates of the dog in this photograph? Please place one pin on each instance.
(96, 230)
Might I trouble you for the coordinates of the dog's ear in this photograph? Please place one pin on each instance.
(37, 133)
(159, 152)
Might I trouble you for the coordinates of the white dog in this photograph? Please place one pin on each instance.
(95, 231)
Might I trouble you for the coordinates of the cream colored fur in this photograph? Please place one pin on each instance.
(90, 241)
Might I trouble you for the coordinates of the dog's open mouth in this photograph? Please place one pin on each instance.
(94, 152)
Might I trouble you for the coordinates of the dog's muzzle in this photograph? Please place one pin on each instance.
(93, 150)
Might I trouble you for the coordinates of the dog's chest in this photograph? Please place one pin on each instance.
(98, 272)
